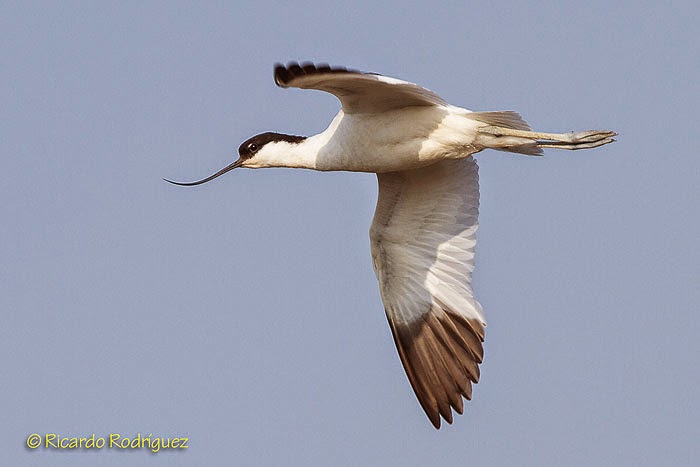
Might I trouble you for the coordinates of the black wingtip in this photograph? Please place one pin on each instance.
(281, 75)
(284, 74)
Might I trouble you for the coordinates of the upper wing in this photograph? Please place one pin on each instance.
(423, 237)
(358, 92)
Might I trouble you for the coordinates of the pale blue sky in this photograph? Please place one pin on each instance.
(245, 314)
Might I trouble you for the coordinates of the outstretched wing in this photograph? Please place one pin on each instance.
(358, 92)
(423, 238)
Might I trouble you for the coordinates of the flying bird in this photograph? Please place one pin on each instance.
(423, 234)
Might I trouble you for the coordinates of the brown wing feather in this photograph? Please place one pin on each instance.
(440, 355)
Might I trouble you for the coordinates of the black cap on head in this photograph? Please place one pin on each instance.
(253, 145)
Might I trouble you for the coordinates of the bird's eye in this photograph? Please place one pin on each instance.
(252, 147)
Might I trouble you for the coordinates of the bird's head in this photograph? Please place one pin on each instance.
(263, 150)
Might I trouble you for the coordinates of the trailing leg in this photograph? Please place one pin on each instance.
(572, 141)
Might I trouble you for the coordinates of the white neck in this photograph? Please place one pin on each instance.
(302, 155)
